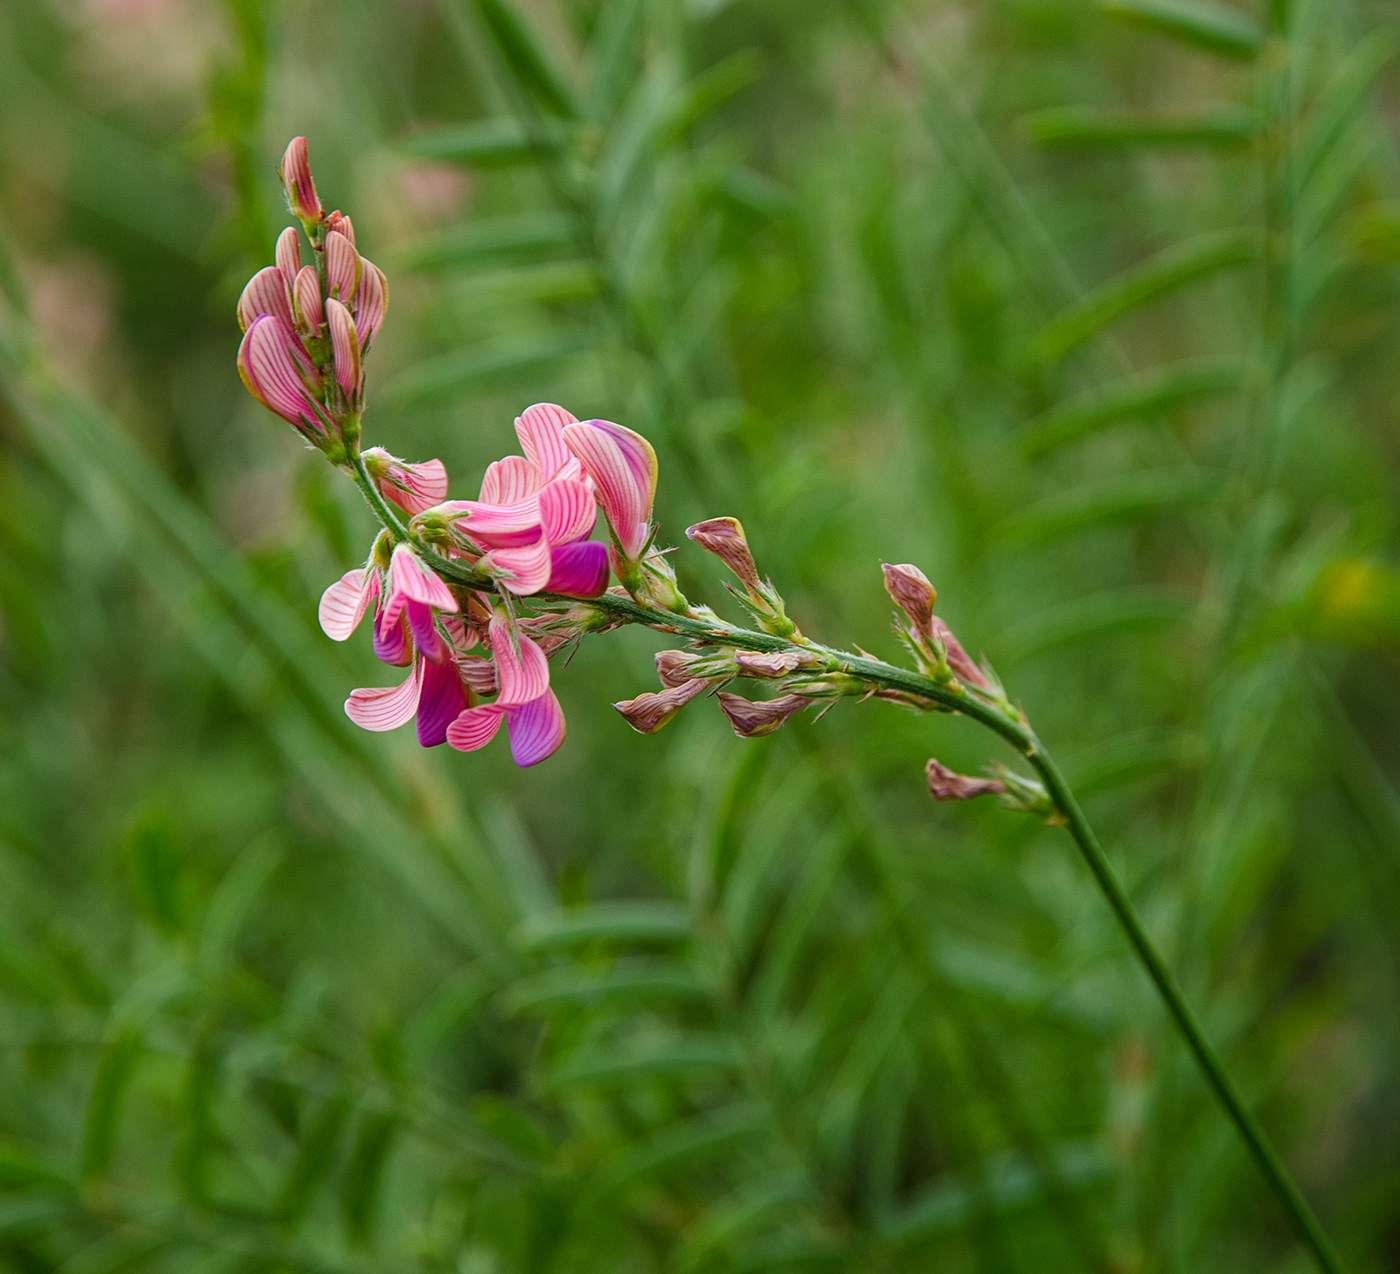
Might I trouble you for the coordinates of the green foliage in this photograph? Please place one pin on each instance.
(1096, 330)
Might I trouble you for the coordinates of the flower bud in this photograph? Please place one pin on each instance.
(340, 223)
(345, 349)
(266, 293)
(273, 368)
(288, 254)
(371, 301)
(306, 292)
(342, 267)
(296, 180)
(913, 594)
(958, 658)
(413, 487)
(676, 667)
(648, 712)
(724, 537)
(775, 663)
(947, 785)
(752, 719)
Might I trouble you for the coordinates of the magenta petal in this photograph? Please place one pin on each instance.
(439, 702)
(420, 624)
(391, 641)
(475, 727)
(536, 729)
(623, 495)
(497, 526)
(579, 569)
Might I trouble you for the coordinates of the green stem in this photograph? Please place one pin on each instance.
(712, 631)
(1265, 1156)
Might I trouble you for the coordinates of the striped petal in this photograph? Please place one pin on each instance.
(345, 349)
(497, 525)
(392, 641)
(268, 364)
(521, 570)
(624, 494)
(510, 481)
(536, 729)
(411, 580)
(440, 701)
(384, 707)
(266, 293)
(579, 569)
(344, 603)
(541, 432)
(523, 676)
(415, 487)
(306, 291)
(420, 624)
(288, 254)
(475, 727)
(296, 178)
(371, 302)
(342, 267)
(567, 510)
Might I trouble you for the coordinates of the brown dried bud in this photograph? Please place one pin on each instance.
(752, 719)
(946, 785)
(724, 537)
(777, 663)
(912, 593)
(647, 713)
(676, 667)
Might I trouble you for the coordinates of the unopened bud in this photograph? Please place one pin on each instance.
(296, 179)
(724, 537)
(676, 667)
(912, 593)
(340, 223)
(371, 301)
(289, 253)
(345, 348)
(776, 663)
(648, 712)
(306, 291)
(752, 719)
(958, 658)
(342, 267)
(266, 293)
(947, 785)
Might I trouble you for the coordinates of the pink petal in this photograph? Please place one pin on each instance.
(497, 525)
(296, 176)
(306, 291)
(625, 500)
(371, 301)
(522, 677)
(579, 569)
(541, 432)
(384, 707)
(640, 456)
(479, 674)
(410, 578)
(344, 603)
(345, 348)
(475, 727)
(441, 700)
(266, 293)
(536, 729)
(509, 481)
(521, 570)
(567, 511)
(424, 483)
(268, 364)
(342, 267)
(288, 255)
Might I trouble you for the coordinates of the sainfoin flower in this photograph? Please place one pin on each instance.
(275, 368)
(412, 486)
(622, 465)
(531, 525)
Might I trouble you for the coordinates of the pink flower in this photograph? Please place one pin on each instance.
(534, 516)
(266, 294)
(622, 465)
(413, 487)
(296, 180)
(277, 372)
(534, 720)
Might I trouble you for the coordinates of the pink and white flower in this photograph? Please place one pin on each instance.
(277, 372)
(622, 466)
(412, 486)
(296, 179)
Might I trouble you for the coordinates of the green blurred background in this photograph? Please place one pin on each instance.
(1089, 310)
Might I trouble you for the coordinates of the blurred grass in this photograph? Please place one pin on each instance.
(278, 995)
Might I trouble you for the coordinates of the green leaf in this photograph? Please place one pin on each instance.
(671, 1059)
(1134, 397)
(116, 1065)
(1168, 271)
(1116, 500)
(361, 1185)
(461, 370)
(21, 1170)
(21, 1215)
(706, 93)
(1227, 127)
(628, 981)
(1216, 28)
(153, 859)
(488, 241)
(527, 60)
(623, 922)
(233, 898)
(1138, 754)
(1095, 616)
(313, 1162)
(681, 1145)
(487, 143)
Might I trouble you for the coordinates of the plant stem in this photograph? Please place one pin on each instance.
(709, 630)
